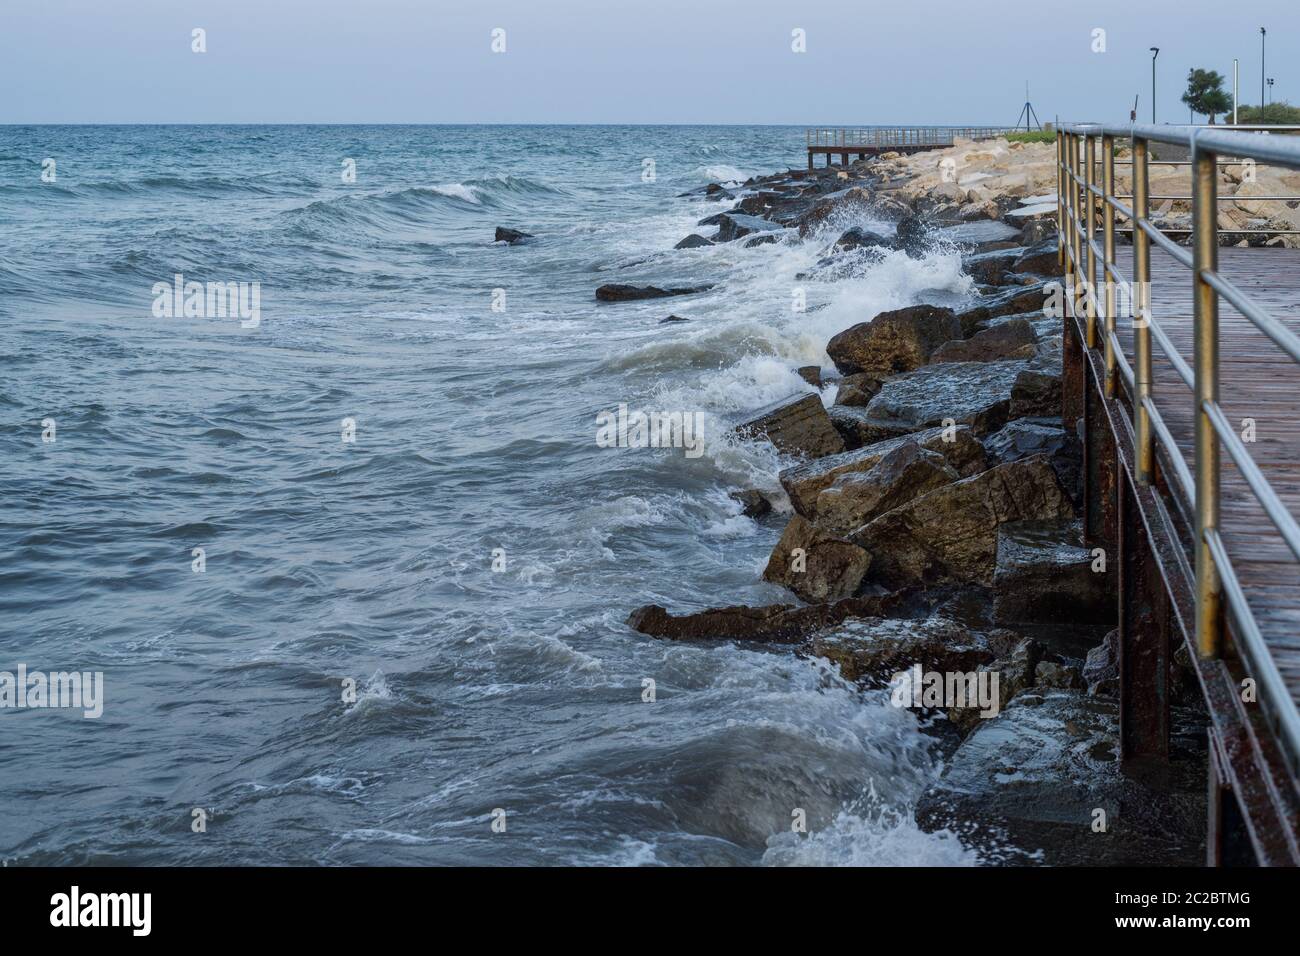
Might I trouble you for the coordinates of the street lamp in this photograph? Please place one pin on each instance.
(1155, 52)
(1270, 89)
(1262, 34)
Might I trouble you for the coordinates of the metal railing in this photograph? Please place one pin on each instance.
(892, 137)
(1079, 200)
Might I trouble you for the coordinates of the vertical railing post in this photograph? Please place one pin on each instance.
(1142, 316)
(1060, 201)
(1205, 256)
(1108, 250)
(1090, 217)
(1076, 244)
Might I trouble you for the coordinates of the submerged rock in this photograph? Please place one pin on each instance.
(753, 504)
(614, 292)
(776, 623)
(796, 426)
(804, 483)
(892, 342)
(951, 534)
(816, 566)
(859, 238)
(693, 241)
(672, 318)
(511, 236)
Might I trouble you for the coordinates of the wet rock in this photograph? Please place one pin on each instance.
(1036, 392)
(892, 342)
(912, 235)
(1033, 778)
(989, 268)
(812, 374)
(1045, 575)
(734, 225)
(672, 318)
(511, 236)
(753, 504)
(972, 393)
(1037, 231)
(1039, 260)
(1024, 438)
(857, 390)
(693, 241)
(855, 426)
(859, 238)
(1013, 300)
(804, 483)
(776, 623)
(1006, 340)
(796, 426)
(762, 239)
(814, 565)
(903, 474)
(872, 650)
(951, 534)
(1101, 669)
(615, 292)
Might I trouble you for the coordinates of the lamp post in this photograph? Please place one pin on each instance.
(1262, 34)
(1155, 52)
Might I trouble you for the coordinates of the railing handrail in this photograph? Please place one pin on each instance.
(1216, 577)
(850, 136)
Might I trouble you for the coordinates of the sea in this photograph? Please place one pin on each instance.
(341, 540)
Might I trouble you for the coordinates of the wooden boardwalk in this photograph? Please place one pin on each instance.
(1257, 381)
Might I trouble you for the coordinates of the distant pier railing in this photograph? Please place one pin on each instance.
(872, 140)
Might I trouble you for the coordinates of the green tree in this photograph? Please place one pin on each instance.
(1279, 113)
(1205, 93)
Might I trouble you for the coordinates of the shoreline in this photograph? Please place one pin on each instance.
(935, 533)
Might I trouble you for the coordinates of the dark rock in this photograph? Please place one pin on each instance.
(1039, 260)
(796, 426)
(871, 651)
(857, 428)
(753, 504)
(812, 374)
(673, 318)
(892, 342)
(732, 225)
(859, 238)
(912, 235)
(1036, 392)
(760, 240)
(857, 389)
(804, 483)
(1024, 438)
(627, 293)
(1013, 300)
(1037, 231)
(814, 565)
(1006, 340)
(1101, 669)
(951, 533)
(777, 623)
(903, 474)
(973, 393)
(511, 236)
(693, 241)
(1045, 575)
(989, 268)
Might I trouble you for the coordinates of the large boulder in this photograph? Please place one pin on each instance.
(951, 534)
(775, 623)
(971, 393)
(816, 566)
(1040, 260)
(796, 426)
(1024, 438)
(907, 472)
(1045, 575)
(991, 267)
(1013, 300)
(616, 292)
(892, 342)
(859, 238)
(1013, 339)
(1036, 392)
(693, 241)
(857, 389)
(856, 427)
(734, 225)
(805, 482)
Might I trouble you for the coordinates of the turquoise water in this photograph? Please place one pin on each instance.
(329, 563)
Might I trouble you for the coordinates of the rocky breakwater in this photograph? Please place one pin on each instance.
(933, 520)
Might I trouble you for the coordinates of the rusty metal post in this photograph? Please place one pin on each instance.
(1108, 251)
(1205, 258)
(1060, 202)
(1090, 217)
(1145, 451)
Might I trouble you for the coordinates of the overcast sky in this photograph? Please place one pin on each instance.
(624, 61)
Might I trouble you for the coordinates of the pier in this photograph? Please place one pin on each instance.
(860, 143)
(1190, 421)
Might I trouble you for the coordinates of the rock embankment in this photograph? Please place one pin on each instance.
(936, 501)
